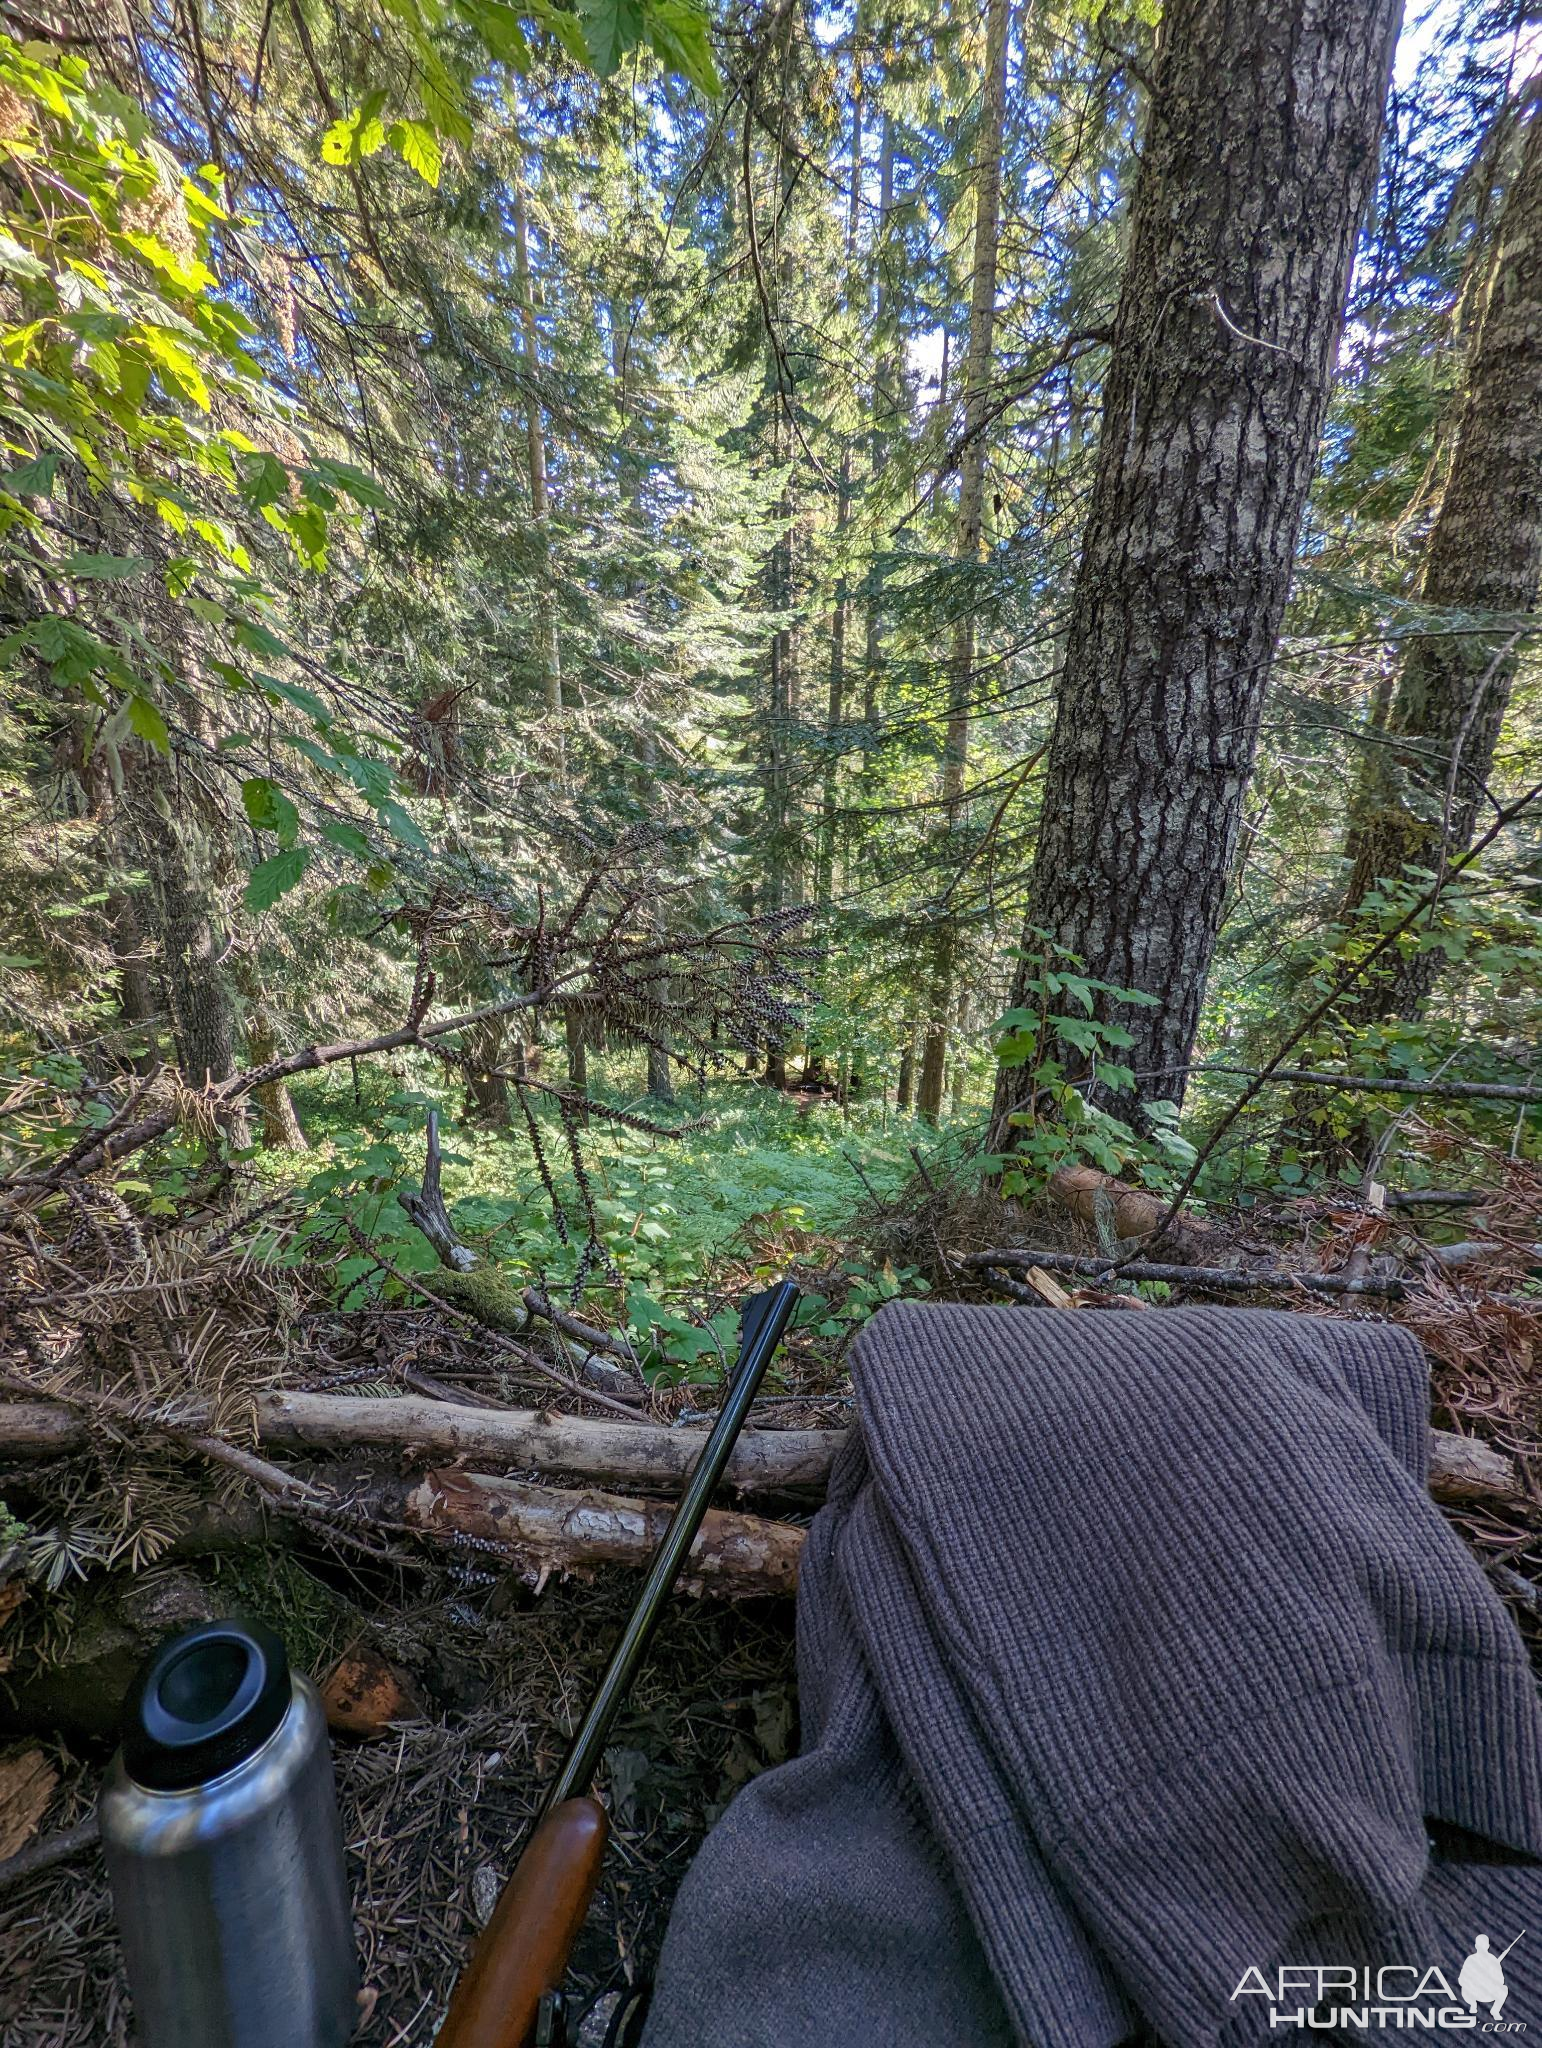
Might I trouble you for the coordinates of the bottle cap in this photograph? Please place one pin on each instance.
(203, 1703)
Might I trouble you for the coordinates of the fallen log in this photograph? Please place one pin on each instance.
(764, 1461)
(40, 1429)
(494, 1300)
(1221, 1279)
(636, 1453)
(544, 1531)
(1230, 1279)
(1466, 1468)
(1095, 1198)
(285, 1489)
(1388, 1084)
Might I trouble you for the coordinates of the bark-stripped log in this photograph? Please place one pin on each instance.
(764, 1461)
(545, 1531)
(641, 1454)
(637, 1454)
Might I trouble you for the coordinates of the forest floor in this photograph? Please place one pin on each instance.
(496, 1669)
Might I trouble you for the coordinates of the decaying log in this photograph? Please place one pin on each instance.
(27, 1782)
(367, 1695)
(491, 1298)
(545, 1531)
(1466, 1468)
(1130, 1212)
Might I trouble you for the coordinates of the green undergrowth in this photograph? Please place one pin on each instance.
(754, 1182)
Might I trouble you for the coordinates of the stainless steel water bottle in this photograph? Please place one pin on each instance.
(225, 1853)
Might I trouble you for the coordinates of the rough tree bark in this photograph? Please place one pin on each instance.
(281, 1124)
(1260, 148)
(969, 532)
(181, 907)
(1419, 799)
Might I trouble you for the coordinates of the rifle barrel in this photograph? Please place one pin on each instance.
(765, 1317)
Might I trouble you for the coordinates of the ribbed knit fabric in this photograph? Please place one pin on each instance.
(1133, 1655)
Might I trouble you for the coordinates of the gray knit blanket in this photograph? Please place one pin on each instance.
(1136, 1667)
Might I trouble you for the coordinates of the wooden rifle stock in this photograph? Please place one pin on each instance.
(522, 1953)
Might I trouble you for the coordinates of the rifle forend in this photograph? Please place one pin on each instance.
(522, 1952)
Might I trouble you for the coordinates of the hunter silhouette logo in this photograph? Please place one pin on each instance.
(1482, 1978)
(1324, 1997)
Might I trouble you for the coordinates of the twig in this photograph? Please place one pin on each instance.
(582, 1333)
(48, 1853)
(1253, 340)
(861, 1176)
(921, 1168)
(501, 1342)
(285, 1488)
(1387, 1084)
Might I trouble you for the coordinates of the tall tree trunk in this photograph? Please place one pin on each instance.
(961, 1024)
(825, 882)
(661, 1087)
(136, 990)
(487, 1092)
(971, 513)
(904, 1087)
(885, 402)
(573, 1025)
(1418, 801)
(281, 1126)
(1260, 147)
(783, 865)
(540, 499)
(182, 906)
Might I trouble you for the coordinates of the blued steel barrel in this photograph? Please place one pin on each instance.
(225, 1853)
